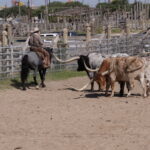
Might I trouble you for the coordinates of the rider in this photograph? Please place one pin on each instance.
(36, 44)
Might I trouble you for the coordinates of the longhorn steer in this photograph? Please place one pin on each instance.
(92, 61)
(147, 74)
(119, 69)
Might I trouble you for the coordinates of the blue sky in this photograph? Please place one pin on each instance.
(40, 2)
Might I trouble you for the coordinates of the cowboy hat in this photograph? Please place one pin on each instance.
(36, 29)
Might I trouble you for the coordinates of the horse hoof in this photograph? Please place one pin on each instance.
(37, 87)
(42, 85)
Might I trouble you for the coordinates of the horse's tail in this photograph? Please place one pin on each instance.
(24, 68)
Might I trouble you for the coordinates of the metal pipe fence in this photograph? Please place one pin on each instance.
(10, 57)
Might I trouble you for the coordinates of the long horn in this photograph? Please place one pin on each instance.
(83, 88)
(107, 72)
(89, 69)
(66, 61)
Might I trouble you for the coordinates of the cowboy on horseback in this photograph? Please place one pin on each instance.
(36, 45)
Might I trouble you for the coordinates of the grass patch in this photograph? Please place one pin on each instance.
(63, 75)
(54, 76)
(99, 30)
(5, 84)
(115, 30)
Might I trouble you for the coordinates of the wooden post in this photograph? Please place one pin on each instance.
(108, 32)
(4, 36)
(9, 27)
(65, 35)
(127, 29)
(88, 33)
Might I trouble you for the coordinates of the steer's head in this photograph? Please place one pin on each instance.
(103, 74)
(101, 80)
(81, 60)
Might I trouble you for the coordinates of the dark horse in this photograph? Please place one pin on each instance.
(32, 61)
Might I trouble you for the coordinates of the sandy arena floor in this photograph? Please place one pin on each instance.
(56, 118)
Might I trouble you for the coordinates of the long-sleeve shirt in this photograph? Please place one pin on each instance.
(35, 40)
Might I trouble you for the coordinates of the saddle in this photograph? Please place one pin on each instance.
(38, 51)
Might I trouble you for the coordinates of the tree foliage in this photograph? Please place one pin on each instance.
(13, 11)
(114, 5)
(52, 7)
(57, 6)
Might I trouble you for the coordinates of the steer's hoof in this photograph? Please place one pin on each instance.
(106, 94)
(128, 95)
(111, 96)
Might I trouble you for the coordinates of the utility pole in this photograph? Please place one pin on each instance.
(29, 15)
(46, 12)
(19, 8)
(28, 4)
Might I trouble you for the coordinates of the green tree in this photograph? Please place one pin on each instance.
(13, 11)
(114, 5)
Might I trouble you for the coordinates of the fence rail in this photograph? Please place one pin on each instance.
(10, 57)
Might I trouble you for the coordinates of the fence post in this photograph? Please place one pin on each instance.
(88, 33)
(9, 28)
(108, 32)
(4, 36)
(127, 29)
(12, 60)
(65, 35)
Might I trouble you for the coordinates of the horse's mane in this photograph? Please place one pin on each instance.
(49, 50)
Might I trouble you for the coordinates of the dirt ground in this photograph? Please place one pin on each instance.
(56, 118)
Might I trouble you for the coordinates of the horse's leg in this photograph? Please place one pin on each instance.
(34, 77)
(24, 71)
(23, 85)
(42, 76)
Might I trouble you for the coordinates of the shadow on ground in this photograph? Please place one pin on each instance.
(17, 84)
